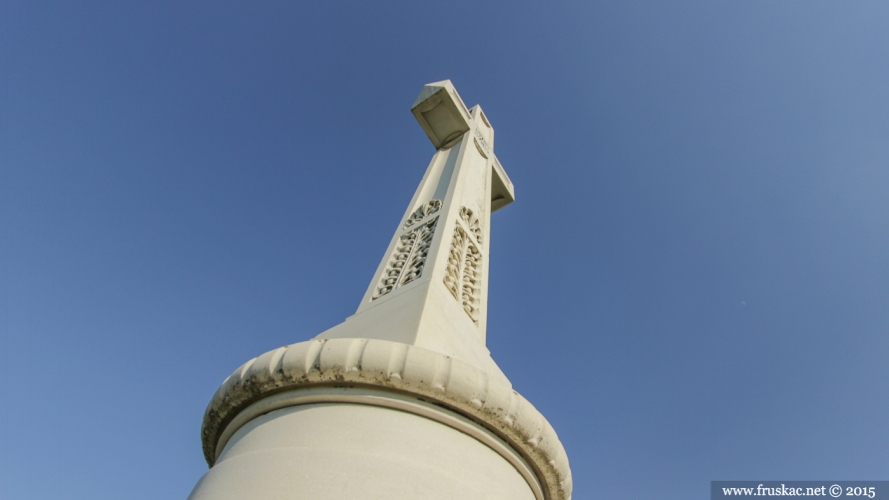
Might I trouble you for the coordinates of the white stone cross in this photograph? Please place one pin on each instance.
(403, 396)
(431, 288)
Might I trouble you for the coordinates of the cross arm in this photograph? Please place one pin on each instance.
(445, 119)
(502, 190)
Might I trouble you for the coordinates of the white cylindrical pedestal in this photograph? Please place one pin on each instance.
(367, 418)
(343, 450)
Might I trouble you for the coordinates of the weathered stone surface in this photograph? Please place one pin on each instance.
(434, 377)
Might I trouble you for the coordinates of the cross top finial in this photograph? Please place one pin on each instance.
(445, 119)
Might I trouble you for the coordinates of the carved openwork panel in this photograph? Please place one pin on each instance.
(455, 262)
(409, 257)
(414, 268)
(421, 213)
(471, 282)
(463, 271)
(472, 224)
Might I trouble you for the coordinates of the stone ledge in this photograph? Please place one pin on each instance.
(378, 363)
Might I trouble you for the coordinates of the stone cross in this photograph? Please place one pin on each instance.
(431, 287)
(402, 399)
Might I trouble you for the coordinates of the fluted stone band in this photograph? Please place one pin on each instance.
(429, 375)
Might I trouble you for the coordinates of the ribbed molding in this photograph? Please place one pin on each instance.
(427, 374)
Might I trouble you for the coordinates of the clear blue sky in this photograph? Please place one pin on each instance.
(692, 285)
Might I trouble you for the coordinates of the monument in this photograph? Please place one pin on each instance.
(402, 399)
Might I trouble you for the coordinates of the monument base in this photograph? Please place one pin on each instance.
(339, 443)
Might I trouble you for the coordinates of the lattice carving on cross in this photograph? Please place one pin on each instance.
(421, 213)
(463, 272)
(472, 224)
(409, 256)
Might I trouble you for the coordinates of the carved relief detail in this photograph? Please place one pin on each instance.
(481, 144)
(455, 262)
(414, 268)
(409, 257)
(463, 271)
(472, 224)
(471, 291)
(421, 213)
